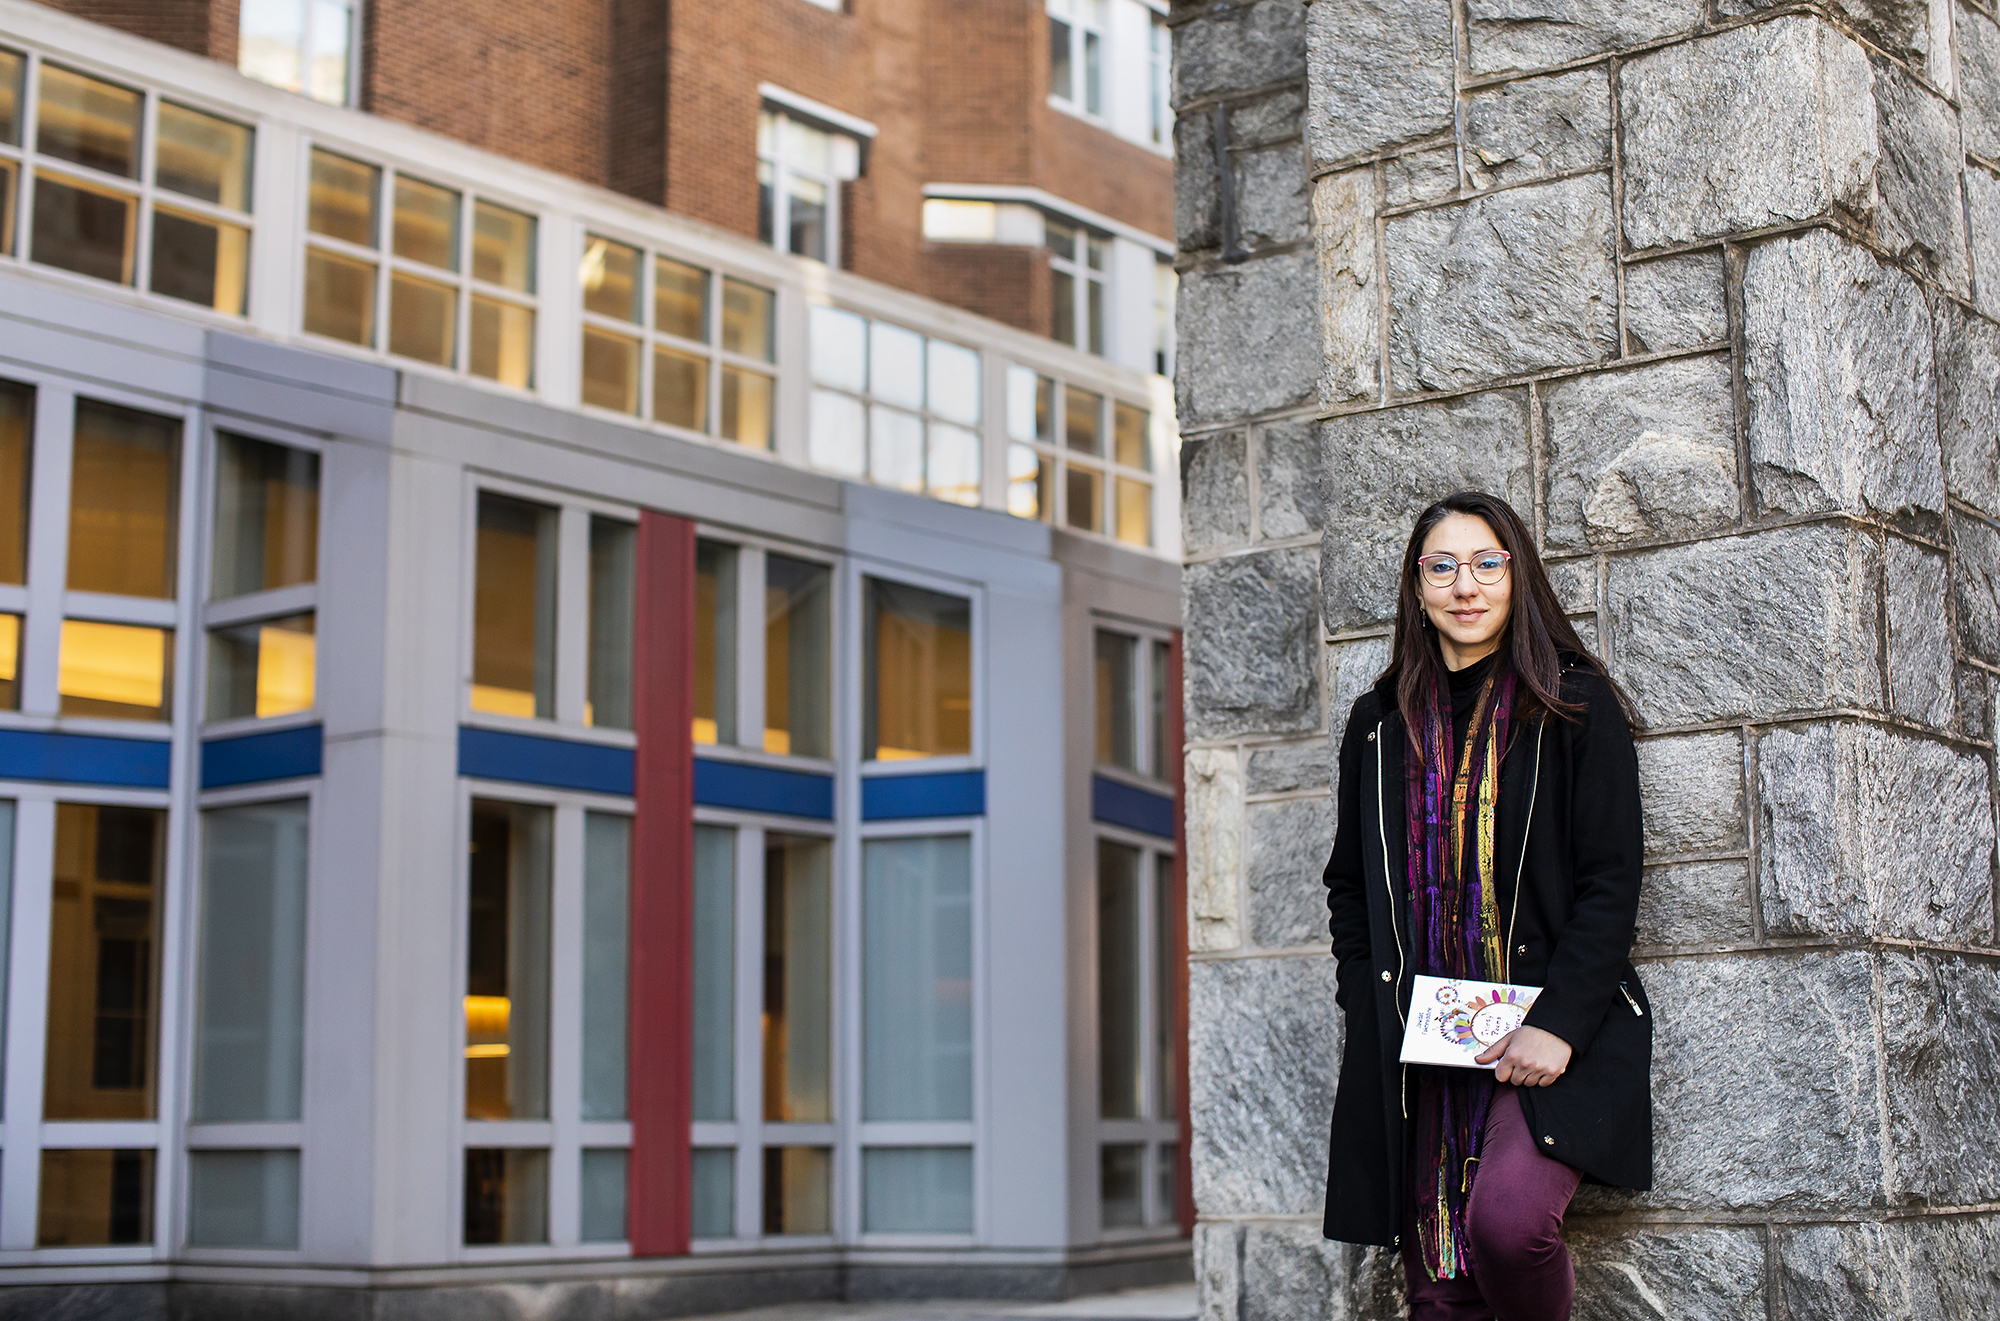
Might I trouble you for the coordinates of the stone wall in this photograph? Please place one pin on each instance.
(1710, 287)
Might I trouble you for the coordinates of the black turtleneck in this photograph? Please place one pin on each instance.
(1465, 685)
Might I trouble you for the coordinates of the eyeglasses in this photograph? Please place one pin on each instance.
(1441, 570)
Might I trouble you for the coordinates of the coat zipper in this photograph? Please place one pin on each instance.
(1637, 1012)
(1389, 884)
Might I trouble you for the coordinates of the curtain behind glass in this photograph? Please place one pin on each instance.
(916, 980)
(607, 888)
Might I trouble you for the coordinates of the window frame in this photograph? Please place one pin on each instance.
(1146, 637)
(1084, 277)
(356, 27)
(1056, 453)
(781, 197)
(1083, 25)
(925, 413)
(854, 645)
(1150, 1130)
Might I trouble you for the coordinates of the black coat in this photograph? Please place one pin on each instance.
(1568, 836)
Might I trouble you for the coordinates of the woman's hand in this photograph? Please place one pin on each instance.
(1529, 1057)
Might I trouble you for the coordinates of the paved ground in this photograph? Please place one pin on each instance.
(1172, 1303)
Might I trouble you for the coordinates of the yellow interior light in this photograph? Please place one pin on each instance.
(10, 647)
(284, 670)
(503, 701)
(112, 663)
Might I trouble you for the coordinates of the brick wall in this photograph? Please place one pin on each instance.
(206, 27)
(1007, 284)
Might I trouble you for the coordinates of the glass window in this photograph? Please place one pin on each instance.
(199, 260)
(610, 370)
(1117, 700)
(747, 400)
(502, 344)
(891, 442)
(798, 657)
(503, 247)
(425, 225)
(917, 693)
(1083, 421)
(1083, 497)
(613, 545)
(1062, 72)
(607, 902)
(680, 389)
(1156, 741)
(266, 516)
(1119, 952)
(299, 45)
(340, 297)
(93, 1197)
(800, 168)
(602, 1193)
(896, 365)
(714, 643)
(506, 1195)
(10, 662)
(88, 122)
(1166, 988)
(916, 1190)
(124, 501)
(1167, 1170)
(344, 203)
(953, 381)
(680, 299)
(1121, 1184)
(343, 199)
(916, 980)
(12, 70)
(250, 1005)
(714, 1192)
(197, 257)
(423, 319)
(84, 227)
(714, 973)
(1135, 512)
(1077, 274)
(17, 432)
(839, 349)
(609, 274)
(117, 671)
(507, 966)
(798, 1190)
(103, 1023)
(261, 669)
(514, 608)
(243, 1199)
(839, 440)
(895, 449)
(798, 981)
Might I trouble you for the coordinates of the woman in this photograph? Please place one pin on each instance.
(1488, 828)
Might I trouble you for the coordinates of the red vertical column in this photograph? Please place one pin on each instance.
(1184, 1175)
(661, 1054)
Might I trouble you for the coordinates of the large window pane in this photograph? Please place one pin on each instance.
(343, 199)
(17, 430)
(10, 194)
(895, 449)
(839, 439)
(601, 1189)
(1118, 970)
(839, 349)
(798, 979)
(680, 299)
(89, 122)
(124, 501)
(954, 383)
(1083, 420)
(1128, 436)
(507, 963)
(117, 671)
(1062, 75)
(613, 544)
(916, 1190)
(798, 1190)
(714, 643)
(917, 689)
(680, 389)
(1156, 692)
(266, 516)
(1083, 498)
(607, 905)
(103, 1025)
(1135, 512)
(1166, 989)
(609, 273)
(201, 261)
(250, 1013)
(798, 657)
(86, 228)
(502, 343)
(896, 365)
(203, 157)
(243, 1199)
(423, 319)
(749, 320)
(506, 1195)
(715, 1192)
(340, 297)
(747, 401)
(916, 978)
(503, 247)
(12, 70)
(514, 608)
(714, 973)
(951, 464)
(10, 662)
(93, 1198)
(1030, 483)
(1117, 700)
(610, 370)
(425, 227)
(1121, 1185)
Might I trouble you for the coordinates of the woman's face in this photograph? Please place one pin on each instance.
(1470, 616)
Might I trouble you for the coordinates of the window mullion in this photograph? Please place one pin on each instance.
(27, 1012)
(750, 647)
(572, 615)
(566, 1026)
(48, 548)
(749, 1033)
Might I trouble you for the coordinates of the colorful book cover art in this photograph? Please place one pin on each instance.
(1451, 1022)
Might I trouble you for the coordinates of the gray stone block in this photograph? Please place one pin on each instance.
(1643, 454)
(1197, 192)
(1248, 339)
(1968, 388)
(1295, 1273)
(1381, 73)
(1921, 677)
(1273, 192)
(1509, 283)
(1252, 644)
(1695, 903)
(1288, 847)
(1941, 1049)
(1975, 702)
(1711, 631)
(1762, 125)
(1263, 1050)
(1844, 854)
(1238, 48)
(1692, 1273)
(1976, 584)
(1384, 467)
(1753, 1111)
(1268, 119)
(1982, 210)
(1904, 28)
(1214, 795)
(1215, 493)
(1693, 793)
(1350, 310)
(1536, 34)
(1897, 1270)
(1675, 303)
(1289, 767)
(1575, 585)
(1218, 1271)
(1420, 176)
(1291, 484)
(1921, 219)
(1979, 83)
(1839, 381)
(1352, 669)
(1537, 127)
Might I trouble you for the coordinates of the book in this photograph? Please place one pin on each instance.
(1452, 1021)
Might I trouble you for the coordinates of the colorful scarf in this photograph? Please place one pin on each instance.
(1455, 922)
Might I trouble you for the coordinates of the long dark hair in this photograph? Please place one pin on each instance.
(1537, 632)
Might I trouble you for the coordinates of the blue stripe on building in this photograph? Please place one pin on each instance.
(128, 763)
(1119, 804)
(903, 797)
(751, 788)
(282, 754)
(555, 763)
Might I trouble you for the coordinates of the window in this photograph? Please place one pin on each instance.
(94, 1197)
(607, 901)
(243, 1199)
(715, 634)
(798, 1190)
(893, 407)
(715, 980)
(1159, 80)
(800, 168)
(1077, 263)
(302, 46)
(1131, 703)
(262, 652)
(1137, 1025)
(174, 220)
(613, 581)
(507, 966)
(514, 608)
(1076, 54)
(958, 220)
(798, 980)
(798, 645)
(506, 1195)
(768, 688)
(1166, 287)
(435, 237)
(695, 351)
(1102, 488)
(917, 684)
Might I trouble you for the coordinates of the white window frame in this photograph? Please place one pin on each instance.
(1141, 687)
(771, 154)
(1089, 268)
(1159, 81)
(1054, 450)
(1152, 1130)
(1087, 22)
(351, 91)
(927, 415)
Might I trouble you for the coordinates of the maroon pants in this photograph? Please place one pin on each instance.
(1520, 1269)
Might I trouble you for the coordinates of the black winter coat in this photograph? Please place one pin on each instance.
(1568, 839)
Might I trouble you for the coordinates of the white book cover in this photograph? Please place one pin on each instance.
(1451, 1022)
